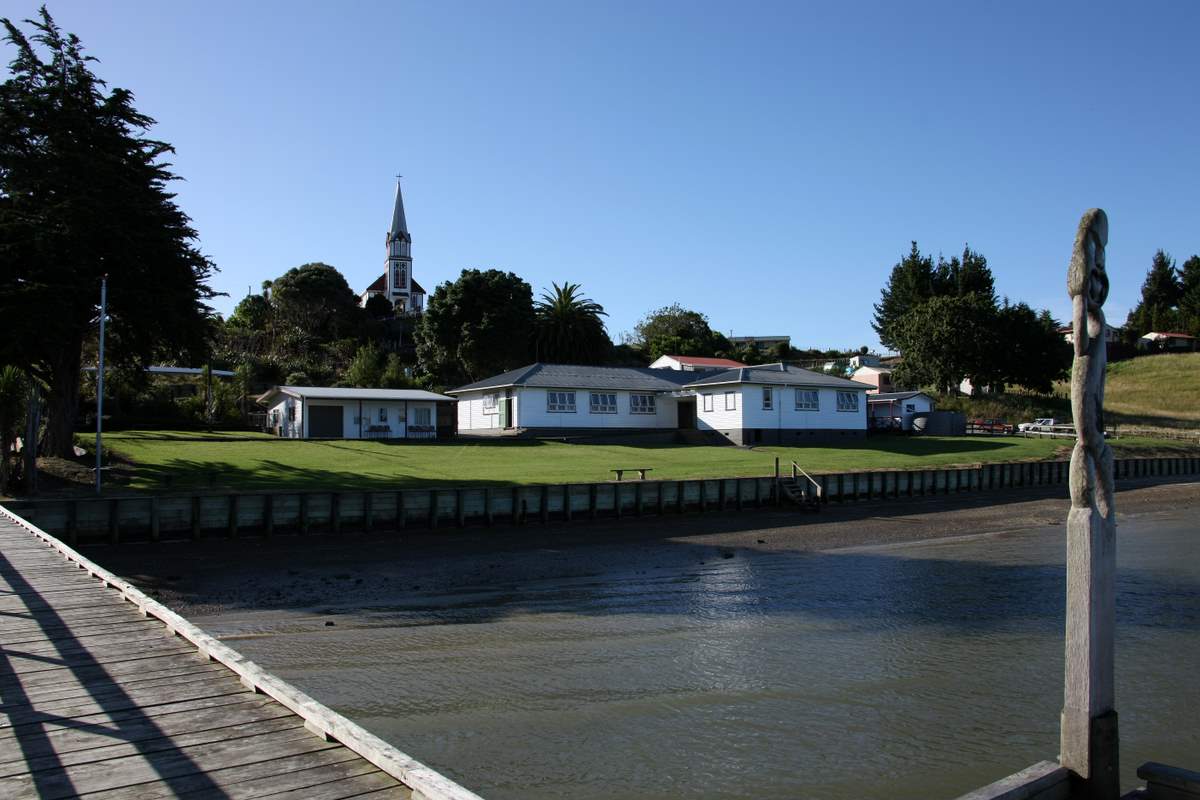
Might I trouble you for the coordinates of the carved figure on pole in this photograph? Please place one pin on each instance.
(1089, 717)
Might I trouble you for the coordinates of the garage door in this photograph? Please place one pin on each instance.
(325, 422)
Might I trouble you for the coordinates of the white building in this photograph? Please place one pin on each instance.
(747, 405)
(895, 410)
(316, 412)
(397, 283)
(694, 363)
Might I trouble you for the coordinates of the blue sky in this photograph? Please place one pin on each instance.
(763, 163)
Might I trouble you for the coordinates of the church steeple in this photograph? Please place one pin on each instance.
(404, 293)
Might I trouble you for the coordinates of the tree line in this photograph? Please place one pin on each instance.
(1169, 301)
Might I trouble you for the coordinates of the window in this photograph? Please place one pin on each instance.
(731, 401)
(383, 415)
(603, 403)
(642, 404)
(422, 417)
(808, 400)
(910, 408)
(560, 402)
(768, 399)
(708, 402)
(847, 401)
(489, 403)
(291, 409)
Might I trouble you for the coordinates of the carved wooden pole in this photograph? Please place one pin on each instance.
(1089, 717)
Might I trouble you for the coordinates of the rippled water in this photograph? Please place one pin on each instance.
(919, 670)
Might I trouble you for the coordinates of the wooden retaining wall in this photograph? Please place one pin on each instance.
(196, 516)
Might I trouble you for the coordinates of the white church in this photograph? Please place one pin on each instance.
(397, 283)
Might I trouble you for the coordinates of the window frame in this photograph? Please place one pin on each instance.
(649, 406)
(768, 398)
(420, 411)
(844, 407)
(595, 407)
(731, 396)
(494, 406)
(804, 405)
(383, 414)
(707, 401)
(553, 404)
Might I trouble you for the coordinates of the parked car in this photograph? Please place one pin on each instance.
(1042, 424)
(989, 426)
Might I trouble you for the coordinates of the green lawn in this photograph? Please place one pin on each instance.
(176, 460)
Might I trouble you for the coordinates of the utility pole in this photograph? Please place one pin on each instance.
(100, 378)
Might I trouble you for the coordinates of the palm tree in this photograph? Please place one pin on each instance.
(569, 328)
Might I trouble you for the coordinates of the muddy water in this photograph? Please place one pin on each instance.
(907, 671)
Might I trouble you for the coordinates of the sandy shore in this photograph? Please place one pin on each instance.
(356, 571)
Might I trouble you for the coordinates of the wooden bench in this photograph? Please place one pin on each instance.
(641, 471)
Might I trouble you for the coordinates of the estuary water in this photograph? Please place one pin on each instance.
(905, 671)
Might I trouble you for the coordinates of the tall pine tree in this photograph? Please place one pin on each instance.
(1161, 292)
(910, 284)
(82, 195)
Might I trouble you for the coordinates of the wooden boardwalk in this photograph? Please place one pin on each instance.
(105, 693)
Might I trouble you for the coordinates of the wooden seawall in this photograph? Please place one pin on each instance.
(115, 519)
(107, 693)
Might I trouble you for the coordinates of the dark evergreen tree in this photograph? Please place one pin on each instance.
(675, 330)
(83, 194)
(475, 326)
(1189, 296)
(1157, 310)
(946, 339)
(1032, 353)
(962, 276)
(909, 285)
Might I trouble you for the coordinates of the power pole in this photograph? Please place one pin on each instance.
(100, 379)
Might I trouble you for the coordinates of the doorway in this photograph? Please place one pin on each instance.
(687, 414)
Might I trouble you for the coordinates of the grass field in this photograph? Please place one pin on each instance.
(1162, 390)
(164, 460)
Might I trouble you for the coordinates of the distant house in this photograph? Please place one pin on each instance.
(897, 409)
(317, 412)
(1111, 334)
(1169, 341)
(879, 377)
(745, 405)
(694, 363)
(761, 343)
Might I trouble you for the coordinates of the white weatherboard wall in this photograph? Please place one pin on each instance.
(920, 404)
(783, 416)
(531, 411)
(471, 415)
(400, 414)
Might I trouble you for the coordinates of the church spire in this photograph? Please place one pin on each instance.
(399, 227)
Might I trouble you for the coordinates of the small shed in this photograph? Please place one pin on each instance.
(895, 410)
(324, 412)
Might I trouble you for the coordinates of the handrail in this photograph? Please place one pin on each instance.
(796, 468)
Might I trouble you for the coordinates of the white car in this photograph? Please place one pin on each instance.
(1044, 423)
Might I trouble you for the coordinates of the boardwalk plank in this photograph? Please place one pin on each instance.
(98, 700)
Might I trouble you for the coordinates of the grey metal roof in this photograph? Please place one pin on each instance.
(399, 225)
(777, 375)
(871, 398)
(338, 393)
(574, 376)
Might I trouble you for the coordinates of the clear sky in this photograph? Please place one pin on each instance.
(763, 163)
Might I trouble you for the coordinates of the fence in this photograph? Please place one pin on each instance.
(163, 517)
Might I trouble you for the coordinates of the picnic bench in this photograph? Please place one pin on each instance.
(641, 471)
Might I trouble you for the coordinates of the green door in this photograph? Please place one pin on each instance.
(505, 412)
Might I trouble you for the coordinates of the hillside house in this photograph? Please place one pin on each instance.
(745, 405)
(880, 378)
(1171, 342)
(321, 412)
(694, 363)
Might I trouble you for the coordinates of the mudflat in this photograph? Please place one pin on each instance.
(361, 571)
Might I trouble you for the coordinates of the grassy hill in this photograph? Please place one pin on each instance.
(1161, 391)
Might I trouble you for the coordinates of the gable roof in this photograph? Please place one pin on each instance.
(703, 361)
(380, 285)
(575, 376)
(776, 375)
(340, 393)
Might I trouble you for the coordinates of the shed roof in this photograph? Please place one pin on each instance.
(776, 375)
(704, 361)
(339, 393)
(575, 376)
(889, 397)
